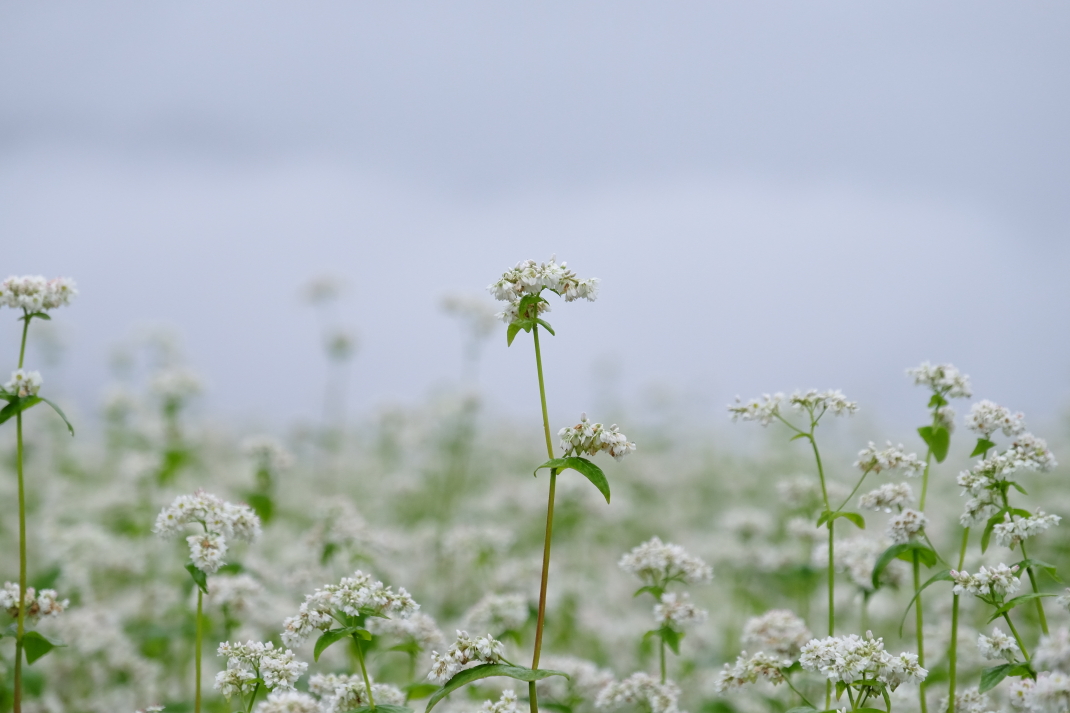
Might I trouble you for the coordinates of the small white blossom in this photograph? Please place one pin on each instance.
(289, 702)
(986, 417)
(762, 410)
(352, 693)
(677, 612)
(779, 631)
(658, 563)
(872, 459)
(887, 497)
(1053, 651)
(642, 689)
(1013, 530)
(1049, 694)
(1063, 599)
(24, 383)
(464, 652)
(588, 438)
(998, 581)
(978, 510)
(944, 379)
(585, 679)
(498, 613)
(353, 596)
(219, 522)
(760, 666)
(34, 293)
(506, 704)
(36, 605)
(253, 660)
(531, 278)
(1029, 452)
(819, 402)
(905, 525)
(998, 646)
(850, 658)
(207, 551)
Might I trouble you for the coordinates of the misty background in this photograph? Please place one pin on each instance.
(775, 195)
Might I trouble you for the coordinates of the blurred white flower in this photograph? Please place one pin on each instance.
(887, 497)
(998, 646)
(871, 459)
(986, 417)
(24, 383)
(34, 293)
(943, 379)
(658, 563)
(779, 631)
(905, 525)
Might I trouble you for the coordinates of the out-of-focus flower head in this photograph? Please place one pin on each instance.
(656, 563)
(24, 383)
(943, 379)
(34, 293)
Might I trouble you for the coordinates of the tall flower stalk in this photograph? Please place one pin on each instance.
(35, 296)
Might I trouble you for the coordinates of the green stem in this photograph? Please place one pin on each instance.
(25, 330)
(851, 698)
(1036, 590)
(252, 699)
(920, 627)
(832, 607)
(857, 486)
(541, 620)
(197, 651)
(364, 671)
(796, 690)
(22, 558)
(663, 661)
(952, 655)
(925, 480)
(1017, 638)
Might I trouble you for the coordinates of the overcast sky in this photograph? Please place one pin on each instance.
(774, 194)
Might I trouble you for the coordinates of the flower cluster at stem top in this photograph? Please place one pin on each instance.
(34, 293)
(588, 438)
(220, 520)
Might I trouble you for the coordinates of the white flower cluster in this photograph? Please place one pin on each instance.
(267, 453)
(872, 459)
(905, 525)
(34, 293)
(289, 702)
(643, 689)
(464, 652)
(887, 497)
(24, 383)
(944, 379)
(588, 438)
(1050, 693)
(655, 562)
(760, 666)
(418, 627)
(530, 278)
(220, 520)
(234, 591)
(780, 631)
(969, 701)
(506, 704)
(353, 596)
(585, 679)
(1012, 531)
(986, 417)
(818, 402)
(252, 661)
(763, 409)
(498, 613)
(342, 693)
(998, 580)
(1053, 651)
(1029, 452)
(36, 604)
(850, 658)
(176, 384)
(677, 612)
(998, 646)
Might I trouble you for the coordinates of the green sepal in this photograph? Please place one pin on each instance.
(858, 520)
(944, 576)
(583, 466)
(36, 645)
(489, 670)
(1011, 604)
(903, 551)
(938, 439)
(983, 444)
(416, 691)
(1048, 569)
(198, 576)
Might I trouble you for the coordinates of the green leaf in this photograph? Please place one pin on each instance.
(858, 520)
(326, 639)
(671, 637)
(40, 315)
(944, 576)
(797, 436)
(904, 551)
(37, 645)
(381, 709)
(654, 590)
(416, 691)
(489, 670)
(545, 326)
(198, 576)
(62, 415)
(938, 439)
(583, 466)
(1017, 487)
(937, 401)
(992, 522)
(1049, 569)
(991, 677)
(983, 444)
(1012, 603)
(510, 333)
(18, 406)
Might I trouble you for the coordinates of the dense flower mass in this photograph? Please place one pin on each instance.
(986, 417)
(658, 563)
(464, 653)
(998, 646)
(850, 658)
(1049, 694)
(220, 521)
(943, 379)
(254, 662)
(1013, 530)
(24, 383)
(819, 402)
(906, 525)
(34, 293)
(640, 689)
(507, 703)
(760, 666)
(498, 613)
(763, 409)
(887, 497)
(677, 612)
(354, 596)
(858, 556)
(780, 631)
(872, 459)
(289, 702)
(586, 438)
(350, 693)
(36, 605)
(998, 581)
(1053, 651)
(531, 278)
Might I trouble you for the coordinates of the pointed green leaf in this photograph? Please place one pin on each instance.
(937, 401)
(583, 466)
(671, 637)
(992, 522)
(938, 439)
(1012, 603)
(62, 415)
(198, 576)
(858, 520)
(326, 639)
(991, 677)
(797, 436)
(489, 670)
(36, 645)
(1049, 569)
(17, 406)
(983, 444)
(944, 576)
(654, 590)
(904, 551)
(1017, 487)
(510, 333)
(545, 326)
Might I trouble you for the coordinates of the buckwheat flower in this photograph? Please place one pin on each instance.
(887, 497)
(218, 520)
(998, 580)
(640, 689)
(322, 685)
(751, 669)
(585, 679)
(253, 662)
(1053, 651)
(588, 438)
(356, 596)
(36, 605)
(658, 563)
(498, 613)
(850, 658)
(1013, 530)
(944, 379)
(871, 459)
(762, 410)
(998, 646)
(235, 592)
(207, 551)
(905, 525)
(176, 384)
(419, 628)
(353, 694)
(289, 702)
(531, 278)
(945, 416)
(978, 510)
(779, 631)
(1029, 452)
(857, 556)
(464, 653)
(1063, 599)
(1020, 693)
(267, 453)
(969, 701)
(831, 400)
(505, 704)
(677, 612)
(1050, 692)
(986, 417)
(24, 383)
(34, 293)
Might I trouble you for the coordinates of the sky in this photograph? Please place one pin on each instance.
(775, 195)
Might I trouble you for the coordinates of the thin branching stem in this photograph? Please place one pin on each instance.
(364, 671)
(21, 617)
(952, 655)
(541, 620)
(197, 651)
(1036, 590)
(1021, 644)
